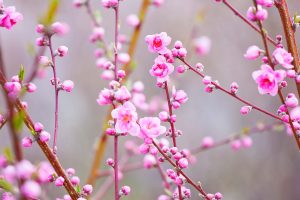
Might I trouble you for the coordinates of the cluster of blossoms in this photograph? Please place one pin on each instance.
(33, 177)
(9, 16)
(16, 86)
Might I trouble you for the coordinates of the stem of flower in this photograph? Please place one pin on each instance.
(172, 129)
(56, 96)
(238, 14)
(231, 94)
(101, 146)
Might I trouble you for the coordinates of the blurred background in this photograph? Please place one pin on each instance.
(267, 170)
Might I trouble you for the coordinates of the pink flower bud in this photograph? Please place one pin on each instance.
(40, 28)
(27, 142)
(110, 162)
(253, 52)
(202, 45)
(144, 148)
(234, 87)
(110, 3)
(181, 69)
(70, 171)
(122, 94)
(125, 190)
(38, 127)
(121, 73)
(207, 142)
(291, 100)
(67, 85)
(123, 58)
(44, 61)
(138, 86)
(41, 41)
(236, 145)
(62, 51)
(87, 189)
(75, 180)
(149, 161)
(163, 116)
(183, 163)
(218, 196)
(59, 181)
(31, 87)
(291, 73)
(178, 44)
(59, 28)
(111, 131)
(245, 110)
(261, 14)
(31, 189)
(78, 3)
(182, 52)
(206, 80)
(44, 136)
(247, 142)
(133, 20)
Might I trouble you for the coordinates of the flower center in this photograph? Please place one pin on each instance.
(157, 42)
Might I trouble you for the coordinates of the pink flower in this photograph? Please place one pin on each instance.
(268, 79)
(105, 97)
(67, 85)
(178, 97)
(24, 169)
(161, 69)
(283, 58)
(259, 14)
(60, 28)
(10, 17)
(150, 127)
(122, 94)
(110, 3)
(133, 20)
(158, 43)
(149, 161)
(126, 117)
(266, 3)
(31, 190)
(252, 53)
(202, 45)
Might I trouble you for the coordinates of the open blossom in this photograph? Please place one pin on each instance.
(283, 58)
(150, 127)
(158, 43)
(161, 69)
(268, 79)
(126, 117)
(10, 17)
(252, 53)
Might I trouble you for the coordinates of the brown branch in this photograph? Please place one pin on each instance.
(44, 147)
(102, 142)
(281, 97)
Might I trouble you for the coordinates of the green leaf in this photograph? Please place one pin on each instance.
(8, 155)
(21, 73)
(18, 121)
(78, 189)
(5, 185)
(49, 17)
